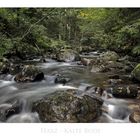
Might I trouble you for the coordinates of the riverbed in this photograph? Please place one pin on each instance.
(114, 110)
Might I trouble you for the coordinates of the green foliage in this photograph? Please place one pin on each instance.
(42, 29)
(38, 28)
(114, 29)
(5, 44)
(136, 50)
(59, 44)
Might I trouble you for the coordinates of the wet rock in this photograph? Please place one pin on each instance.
(109, 56)
(135, 117)
(63, 106)
(125, 92)
(29, 73)
(87, 62)
(7, 110)
(115, 81)
(61, 79)
(107, 62)
(135, 74)
(110, 66)
(67, 55)
(15, 68)
(92, 90)
(115, 65)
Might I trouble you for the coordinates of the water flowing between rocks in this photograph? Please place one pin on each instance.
(114, 110)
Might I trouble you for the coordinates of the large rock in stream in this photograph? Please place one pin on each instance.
(88, 62)
(109, 56)
(64, 106)
(29, 73)
(67, 55)
(130, 91)
(108, 61)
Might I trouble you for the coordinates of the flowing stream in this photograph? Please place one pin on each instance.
(114, 110)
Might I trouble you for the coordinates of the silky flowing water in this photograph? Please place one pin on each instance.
(114, 110)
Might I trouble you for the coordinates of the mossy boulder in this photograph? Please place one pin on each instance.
(130, 91)
(29, 73)
(135, 74)
(107, 61)
(64, 106)
(109, 56)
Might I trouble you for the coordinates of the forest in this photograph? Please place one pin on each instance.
(70, 65)
(43, 29)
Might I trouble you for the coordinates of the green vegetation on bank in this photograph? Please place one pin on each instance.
(37, 30)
